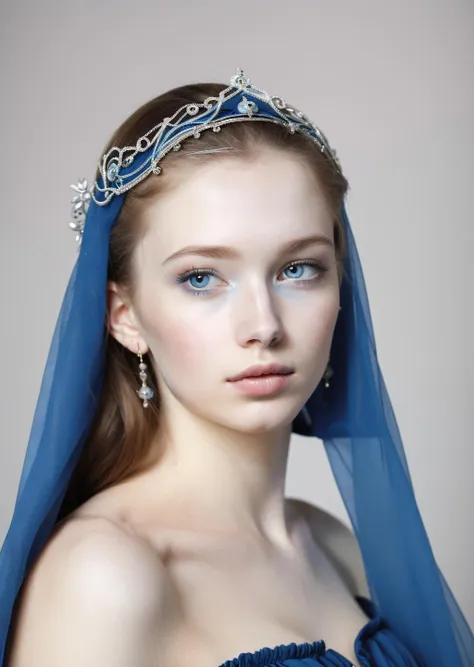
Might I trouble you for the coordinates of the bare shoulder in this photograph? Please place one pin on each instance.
(339, 543)
(95, 596)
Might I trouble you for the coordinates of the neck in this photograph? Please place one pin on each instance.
(214, 479)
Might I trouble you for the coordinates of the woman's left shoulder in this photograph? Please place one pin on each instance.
(339, 543)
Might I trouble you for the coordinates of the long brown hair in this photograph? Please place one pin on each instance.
(119, 441)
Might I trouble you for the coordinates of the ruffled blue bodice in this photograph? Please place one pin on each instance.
(375, 646)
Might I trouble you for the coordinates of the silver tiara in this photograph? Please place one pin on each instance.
(121, 168)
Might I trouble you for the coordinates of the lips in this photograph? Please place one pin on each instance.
(261, 370)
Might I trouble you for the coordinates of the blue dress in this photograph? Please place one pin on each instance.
(375, 646)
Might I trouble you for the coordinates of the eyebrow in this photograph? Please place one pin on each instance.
(227, 252)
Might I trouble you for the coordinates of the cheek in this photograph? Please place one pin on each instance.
(180, 347)
(320, 322)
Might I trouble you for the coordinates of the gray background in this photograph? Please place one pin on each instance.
(391, 84)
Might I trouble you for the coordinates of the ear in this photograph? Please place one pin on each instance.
(122, 322)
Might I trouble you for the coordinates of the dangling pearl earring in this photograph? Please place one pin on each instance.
(145, 392)
(328, 373)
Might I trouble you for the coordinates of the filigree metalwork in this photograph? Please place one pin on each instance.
(80, 205)
(121, 168)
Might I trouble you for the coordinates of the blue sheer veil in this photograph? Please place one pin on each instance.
(353, 417)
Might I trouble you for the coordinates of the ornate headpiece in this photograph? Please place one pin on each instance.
(123, 168)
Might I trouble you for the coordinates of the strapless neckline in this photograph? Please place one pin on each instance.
(375, 646)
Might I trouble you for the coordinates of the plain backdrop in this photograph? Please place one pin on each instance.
(390, 84)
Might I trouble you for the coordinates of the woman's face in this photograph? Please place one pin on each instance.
(246, 304)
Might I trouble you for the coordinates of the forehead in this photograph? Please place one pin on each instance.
(243, 201)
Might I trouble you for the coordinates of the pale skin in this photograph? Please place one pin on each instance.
(202, 557)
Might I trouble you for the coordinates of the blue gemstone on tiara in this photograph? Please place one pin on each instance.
(112, 172)
(247, 106)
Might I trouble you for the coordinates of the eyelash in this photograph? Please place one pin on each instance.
(183, 277)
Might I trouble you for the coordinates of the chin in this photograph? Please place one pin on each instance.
(274, 420)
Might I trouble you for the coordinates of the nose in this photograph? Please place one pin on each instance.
(258, 319)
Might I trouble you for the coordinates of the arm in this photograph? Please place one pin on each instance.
(95, 597)
(339, 544)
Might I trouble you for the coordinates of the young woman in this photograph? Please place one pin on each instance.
(217, 305)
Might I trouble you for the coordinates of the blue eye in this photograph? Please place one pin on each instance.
(295, 266)
(200, 276)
